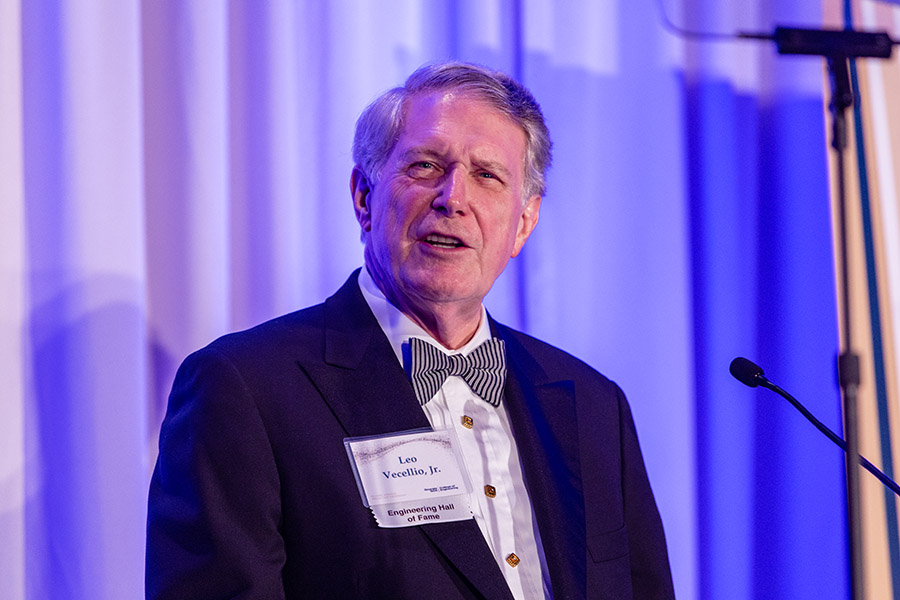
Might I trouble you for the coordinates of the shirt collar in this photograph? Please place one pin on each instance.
(399, 328)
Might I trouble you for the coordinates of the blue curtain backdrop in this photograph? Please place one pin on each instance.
(172, 171)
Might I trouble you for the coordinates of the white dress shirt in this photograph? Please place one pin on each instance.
(499, 499)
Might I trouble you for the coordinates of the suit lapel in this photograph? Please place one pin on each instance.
(369, 393)
(543, 417)
(360, 378)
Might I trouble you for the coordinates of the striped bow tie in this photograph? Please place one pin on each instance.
(484, 369)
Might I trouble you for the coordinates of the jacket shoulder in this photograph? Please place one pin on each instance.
(295, 330)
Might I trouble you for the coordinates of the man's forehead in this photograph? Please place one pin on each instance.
(430, 105)
(430, 122)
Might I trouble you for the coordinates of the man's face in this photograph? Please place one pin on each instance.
(446, 214)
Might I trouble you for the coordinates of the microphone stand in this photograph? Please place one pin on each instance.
(838, 47)
(848, 361)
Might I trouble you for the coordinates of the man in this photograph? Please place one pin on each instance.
(254, 496)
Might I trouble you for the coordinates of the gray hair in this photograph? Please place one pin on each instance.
(381, 123)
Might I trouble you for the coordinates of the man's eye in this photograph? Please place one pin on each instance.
(423, 169)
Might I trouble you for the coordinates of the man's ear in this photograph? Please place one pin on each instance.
(527, 222)
(360, 190)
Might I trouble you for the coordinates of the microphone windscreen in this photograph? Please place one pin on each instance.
(746, 371)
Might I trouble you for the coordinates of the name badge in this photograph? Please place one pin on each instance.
(411, 478)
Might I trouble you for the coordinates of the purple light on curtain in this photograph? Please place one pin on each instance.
(763, 287)
(85, 419)
(686, 222)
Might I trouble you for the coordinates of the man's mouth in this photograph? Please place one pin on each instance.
(443, 241)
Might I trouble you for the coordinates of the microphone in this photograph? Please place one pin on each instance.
(746, 371)
(751, 374)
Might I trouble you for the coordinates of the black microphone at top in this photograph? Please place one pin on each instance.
(746, 371)
(750, 374)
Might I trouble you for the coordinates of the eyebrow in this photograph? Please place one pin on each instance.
(419, 152)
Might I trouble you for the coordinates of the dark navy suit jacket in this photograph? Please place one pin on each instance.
(253, 494)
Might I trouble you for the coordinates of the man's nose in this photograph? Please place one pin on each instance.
(452, 196)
